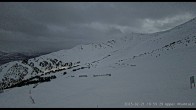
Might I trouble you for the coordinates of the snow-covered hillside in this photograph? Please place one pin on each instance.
(136, 70)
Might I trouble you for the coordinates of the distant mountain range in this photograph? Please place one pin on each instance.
(16, 56)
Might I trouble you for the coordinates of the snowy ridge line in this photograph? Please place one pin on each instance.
(185, 41)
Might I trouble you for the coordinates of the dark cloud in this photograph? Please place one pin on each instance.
(51, 26)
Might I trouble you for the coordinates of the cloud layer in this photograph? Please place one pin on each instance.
(28, 27)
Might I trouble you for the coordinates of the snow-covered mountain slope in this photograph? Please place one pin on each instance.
(136, 70)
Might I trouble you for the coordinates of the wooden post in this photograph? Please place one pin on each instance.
(192, 81)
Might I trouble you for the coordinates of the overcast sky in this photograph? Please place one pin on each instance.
(26, 27)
